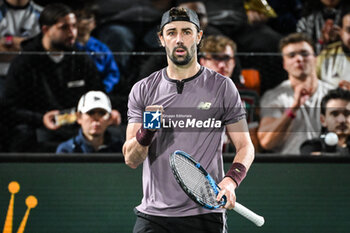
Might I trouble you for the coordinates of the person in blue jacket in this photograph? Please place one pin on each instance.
(98, 51)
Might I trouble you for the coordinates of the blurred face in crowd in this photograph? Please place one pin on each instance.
(299, 60)
(94, 123)
(86, 23)
(180, 39)
(337, 117)
(345, 31)
(63, 34)
(330, 3)
(201, 11)
(223, 63)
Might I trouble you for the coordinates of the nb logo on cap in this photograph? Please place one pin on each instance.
(151, 119)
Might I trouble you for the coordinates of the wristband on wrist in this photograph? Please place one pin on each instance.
(8, 40)
(144, 136)
(237, 172)
(290, 113)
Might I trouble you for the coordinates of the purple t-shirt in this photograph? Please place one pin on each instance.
(196, 111)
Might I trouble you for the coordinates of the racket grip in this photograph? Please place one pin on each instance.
(248, 214)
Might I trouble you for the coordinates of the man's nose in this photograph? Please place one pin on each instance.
(179, 39)
(341, 118)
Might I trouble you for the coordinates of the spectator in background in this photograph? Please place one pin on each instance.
(290, 112)
(127, 26)
(94, 116)
(218, 54)
(321, 21)
(18, 21)
(99, 52)
(335, 118)
(255, 36)
(201, 10)
(288, 13)
(48, 80)
(333, 64)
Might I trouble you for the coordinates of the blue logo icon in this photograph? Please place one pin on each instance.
(151, 119)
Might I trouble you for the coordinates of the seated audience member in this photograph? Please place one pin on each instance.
(94, 116)
(321, 21)
(290, 112)
(335, 120)
(129, 26)
(258, 37)
(201, 10)
(333, 64)
(18, 21)
(218, 54)
(288, 13)
(100, 53)
(47, 80)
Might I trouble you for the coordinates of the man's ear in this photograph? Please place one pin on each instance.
(78, 114)
(45, 28)
(202, 61)
(161, 39)
(110, 119)
(323, 120)
(199, 36)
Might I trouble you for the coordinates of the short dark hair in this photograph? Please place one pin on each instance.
(86, 10)
(179, 14)
(295, 38)
(338, 93)
(52, 13)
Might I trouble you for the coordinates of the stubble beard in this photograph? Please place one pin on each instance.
(181, 61)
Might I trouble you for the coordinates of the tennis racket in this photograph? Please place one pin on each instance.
(201, 187)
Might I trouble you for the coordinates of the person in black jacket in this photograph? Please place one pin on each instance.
(335, 120)
(46, 79)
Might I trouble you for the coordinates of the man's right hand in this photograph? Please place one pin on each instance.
(155, 108)
(301, 95)
(49, 120)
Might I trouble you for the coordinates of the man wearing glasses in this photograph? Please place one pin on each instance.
(290, 112)
(218, 54)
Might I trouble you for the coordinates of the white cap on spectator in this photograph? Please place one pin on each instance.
(93, 100)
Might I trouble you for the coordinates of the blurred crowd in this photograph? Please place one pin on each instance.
(67, 68)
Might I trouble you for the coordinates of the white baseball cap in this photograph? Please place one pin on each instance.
(93, 100)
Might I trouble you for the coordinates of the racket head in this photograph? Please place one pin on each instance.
(195, 180)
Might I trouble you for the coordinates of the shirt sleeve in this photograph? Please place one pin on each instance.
(270, 105)
(233, 107)
(136, 104)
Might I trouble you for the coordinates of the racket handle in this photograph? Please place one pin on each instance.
(248, 214)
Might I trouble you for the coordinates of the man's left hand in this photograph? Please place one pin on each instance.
(228, 187)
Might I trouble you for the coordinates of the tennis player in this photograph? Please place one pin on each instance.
(195, 106)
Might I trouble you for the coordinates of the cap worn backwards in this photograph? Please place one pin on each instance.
(180, 14)
(93, 100)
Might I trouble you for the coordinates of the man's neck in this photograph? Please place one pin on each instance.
(17, 3)
(310, 82)
(83, 39)
(182, 72)
(47, 46)
(342, 140)
(95, 141)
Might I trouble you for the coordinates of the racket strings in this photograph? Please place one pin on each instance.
(195, 181)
